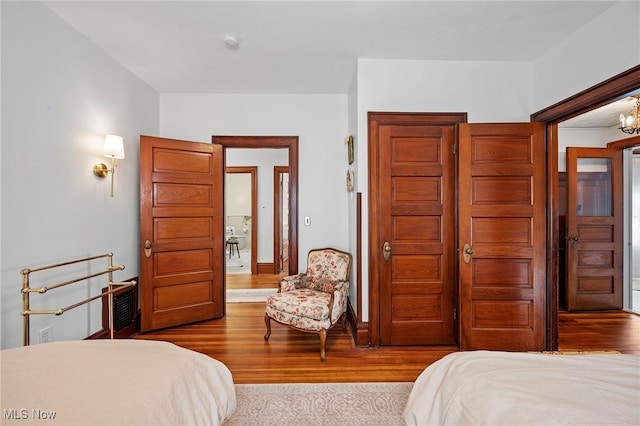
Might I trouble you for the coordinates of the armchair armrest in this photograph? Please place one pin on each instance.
(289, 283)
(341, 286)
(338, 302)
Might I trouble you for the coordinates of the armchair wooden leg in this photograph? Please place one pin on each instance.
(323, 344)
(267, 321)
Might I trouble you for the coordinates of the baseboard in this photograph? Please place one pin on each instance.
(359, 330)
(265, 268)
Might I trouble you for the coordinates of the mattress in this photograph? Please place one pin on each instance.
(124, 382)
(499, 388)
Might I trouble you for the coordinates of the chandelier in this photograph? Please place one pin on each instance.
(631, 123)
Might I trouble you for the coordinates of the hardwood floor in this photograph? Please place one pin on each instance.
(294, 357)
(594, 331)
(239, 281)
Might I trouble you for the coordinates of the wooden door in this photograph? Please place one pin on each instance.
(594, 229)
(502, 223)
(413, 228)
(181, 229)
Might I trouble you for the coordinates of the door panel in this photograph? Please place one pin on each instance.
(417, 285)
(182, 270)
(594, 229)
(502, 223)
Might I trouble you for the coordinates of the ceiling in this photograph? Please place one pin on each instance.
(313, 46)
(605, 116)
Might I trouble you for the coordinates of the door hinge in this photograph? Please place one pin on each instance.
(455, 313)
(455, 147)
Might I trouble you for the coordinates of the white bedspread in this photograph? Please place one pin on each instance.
(117, 382)
(501, 388)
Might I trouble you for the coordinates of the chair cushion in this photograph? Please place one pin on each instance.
(302, 323)
(302, 308)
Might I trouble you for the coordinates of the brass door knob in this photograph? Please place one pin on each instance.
(467, 251)
(386, 250)
(147, 248)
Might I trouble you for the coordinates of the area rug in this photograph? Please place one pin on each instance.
(312, 404)
(249, 295)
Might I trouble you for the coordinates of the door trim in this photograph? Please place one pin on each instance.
(278, 171)
(625, 143)
(254, 210)
(291, 143)
(594, 97)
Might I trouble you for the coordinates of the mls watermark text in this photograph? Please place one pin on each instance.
(28, 414)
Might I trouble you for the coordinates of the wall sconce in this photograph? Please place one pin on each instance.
(113, 148)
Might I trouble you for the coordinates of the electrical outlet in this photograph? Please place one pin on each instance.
(46, 334)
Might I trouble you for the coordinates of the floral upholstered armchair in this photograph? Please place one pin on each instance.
(314, 301)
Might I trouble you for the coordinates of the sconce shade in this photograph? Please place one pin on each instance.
(113, 146)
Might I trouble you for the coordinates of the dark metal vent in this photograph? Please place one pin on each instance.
(126, 313)
(123, 314)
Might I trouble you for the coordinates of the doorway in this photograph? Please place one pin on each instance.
(240, 193)
(631, 241)
(633, 154)
(231, 145)
(594, 97)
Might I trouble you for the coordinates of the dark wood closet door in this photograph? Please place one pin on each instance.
(502, 222)
(415, 227)
(182, 253)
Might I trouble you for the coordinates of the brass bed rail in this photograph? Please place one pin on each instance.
(27, 290)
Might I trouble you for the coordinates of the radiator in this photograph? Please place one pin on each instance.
(125, 312)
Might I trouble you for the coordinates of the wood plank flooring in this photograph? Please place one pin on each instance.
(594, 331)
(294, 357)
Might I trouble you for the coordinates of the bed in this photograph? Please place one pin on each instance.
(123, 382)
(498, 388)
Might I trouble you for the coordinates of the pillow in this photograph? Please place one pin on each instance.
(322, 284)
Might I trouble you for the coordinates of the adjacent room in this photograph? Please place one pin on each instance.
(320, 212)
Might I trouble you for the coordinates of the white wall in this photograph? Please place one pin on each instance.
(319, 121)
(61, 95)
(583, 137)
(236, 201)
(607, 46)
(352, 111)
(487, 91)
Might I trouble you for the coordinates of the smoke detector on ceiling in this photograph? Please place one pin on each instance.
(231, 42)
